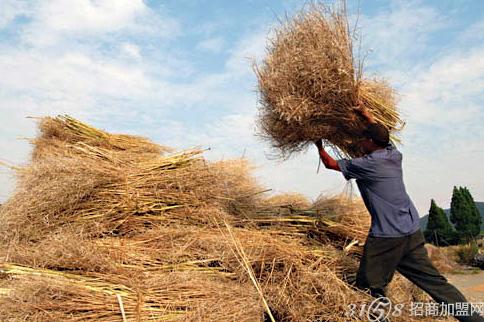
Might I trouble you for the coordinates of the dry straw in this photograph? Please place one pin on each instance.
(48, 295)
(64, 129)
(310, 82)
(95, 229)
(80, 178)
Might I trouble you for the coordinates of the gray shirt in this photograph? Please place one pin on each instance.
(380, 181)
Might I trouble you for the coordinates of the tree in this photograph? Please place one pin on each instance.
(439, 231)
(476, 216)
(464, 214)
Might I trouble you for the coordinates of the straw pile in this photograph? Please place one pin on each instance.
(290, 200)
(101, 228)
(310, 82)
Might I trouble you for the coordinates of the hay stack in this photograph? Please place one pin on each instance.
(93, 232)
(310, 82)
(241, 192)
(116, 197)
(107, 184)
(290, 200)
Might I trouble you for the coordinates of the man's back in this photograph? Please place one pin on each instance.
(380, 181)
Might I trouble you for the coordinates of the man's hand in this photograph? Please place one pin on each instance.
(327, 160)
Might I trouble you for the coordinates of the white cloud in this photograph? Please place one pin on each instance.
(59, 20)
(230, 91)
(448, 91)
(214, 44)
(10, 9)
(249, 48)
(69, 75)
(396, 35)
(131, 50)
(78, 15)
(475, 33)
(444, 141)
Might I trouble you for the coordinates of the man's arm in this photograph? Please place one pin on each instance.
(327, 160)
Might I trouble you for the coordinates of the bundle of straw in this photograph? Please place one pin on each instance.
(61, 130)
(289, 200)
(310, 83)
(66, 296)
(240, 190)
(89, 189)
(82, 179)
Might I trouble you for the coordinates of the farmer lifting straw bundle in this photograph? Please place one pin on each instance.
(310, 83)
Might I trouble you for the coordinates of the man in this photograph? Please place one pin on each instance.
(395, 241)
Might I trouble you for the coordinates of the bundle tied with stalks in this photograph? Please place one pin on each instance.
(97, 231)
(50, 295)
(106, 183)
(63, 130)
(310, 83)
(116, 197)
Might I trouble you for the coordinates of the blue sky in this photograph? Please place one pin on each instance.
(180, 73)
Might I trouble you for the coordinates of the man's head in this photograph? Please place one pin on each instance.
(376, 137)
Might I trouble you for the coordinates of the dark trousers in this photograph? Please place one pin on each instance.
(407, 255)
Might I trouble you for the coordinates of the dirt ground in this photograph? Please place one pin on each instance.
(471, 285)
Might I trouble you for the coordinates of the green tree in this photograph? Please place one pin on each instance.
(476, 219)
(439, 231)
(464, 214)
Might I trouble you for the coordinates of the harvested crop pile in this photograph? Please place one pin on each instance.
(97, 231)
(310, 82)
(290, 200)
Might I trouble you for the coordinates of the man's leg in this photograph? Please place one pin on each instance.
(417, 267)
(381, 256)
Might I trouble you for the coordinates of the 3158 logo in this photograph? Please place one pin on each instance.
(378, 310)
